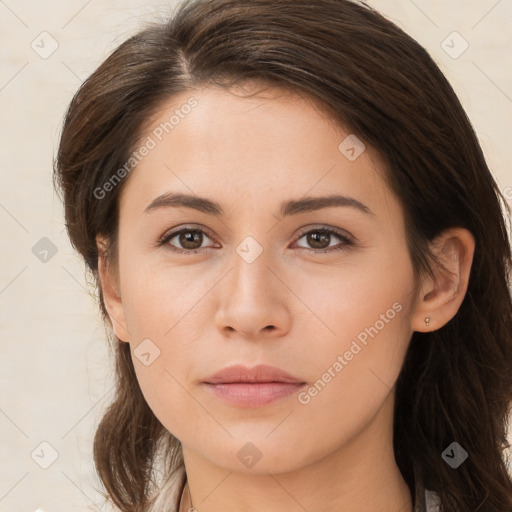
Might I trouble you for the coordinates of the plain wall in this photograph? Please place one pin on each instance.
(55, 373)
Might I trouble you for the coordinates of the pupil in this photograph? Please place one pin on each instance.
(318, 239)
(190, 237)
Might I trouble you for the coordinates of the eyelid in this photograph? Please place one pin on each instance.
(323, 227)
(348, 241)
(346, 238)
(172, 232)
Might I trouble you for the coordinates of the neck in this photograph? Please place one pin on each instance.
(360, 476)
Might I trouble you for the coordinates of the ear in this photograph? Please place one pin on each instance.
(439, 298)
(111, 293)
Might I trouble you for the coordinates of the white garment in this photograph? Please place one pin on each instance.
(432, 501)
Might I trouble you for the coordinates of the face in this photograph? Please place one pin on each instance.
(268, 275)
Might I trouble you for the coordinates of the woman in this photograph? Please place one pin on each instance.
(303, 258)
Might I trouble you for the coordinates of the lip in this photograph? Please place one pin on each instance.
(258, 374)
(252, 387)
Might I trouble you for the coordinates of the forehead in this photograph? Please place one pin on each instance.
(250, 146)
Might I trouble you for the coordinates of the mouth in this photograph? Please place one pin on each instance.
(252, 387)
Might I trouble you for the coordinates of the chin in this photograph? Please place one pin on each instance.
(254, 453)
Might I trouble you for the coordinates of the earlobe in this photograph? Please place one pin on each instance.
(111, 295)
(440, 297)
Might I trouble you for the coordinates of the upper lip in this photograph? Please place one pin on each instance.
(260, 373)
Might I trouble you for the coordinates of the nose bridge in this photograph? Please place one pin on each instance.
(250, 278)
(250, 299)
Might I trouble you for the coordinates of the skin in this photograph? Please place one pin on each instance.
(208, 310)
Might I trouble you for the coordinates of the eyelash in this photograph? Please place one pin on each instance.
(346, 241)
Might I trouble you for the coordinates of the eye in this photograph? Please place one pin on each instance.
(320, 240)
(190, 240)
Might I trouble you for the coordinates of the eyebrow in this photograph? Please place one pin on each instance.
(290, 207)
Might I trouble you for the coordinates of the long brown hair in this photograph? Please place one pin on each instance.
(456, 382)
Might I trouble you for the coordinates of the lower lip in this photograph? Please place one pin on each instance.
(253, 395)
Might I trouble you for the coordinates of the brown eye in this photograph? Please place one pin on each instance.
(319, 240)
(189, 240)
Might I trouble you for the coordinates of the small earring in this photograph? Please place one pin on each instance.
(427, 320)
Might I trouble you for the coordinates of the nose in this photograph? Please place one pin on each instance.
(253, 301)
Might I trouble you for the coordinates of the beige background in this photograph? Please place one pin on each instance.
(54, 372)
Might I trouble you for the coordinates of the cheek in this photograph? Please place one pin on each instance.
(370, 289)
(168, 394)
(361, 332)
(366, 353)
(159, 301)
(164, 313)
(353, 375)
